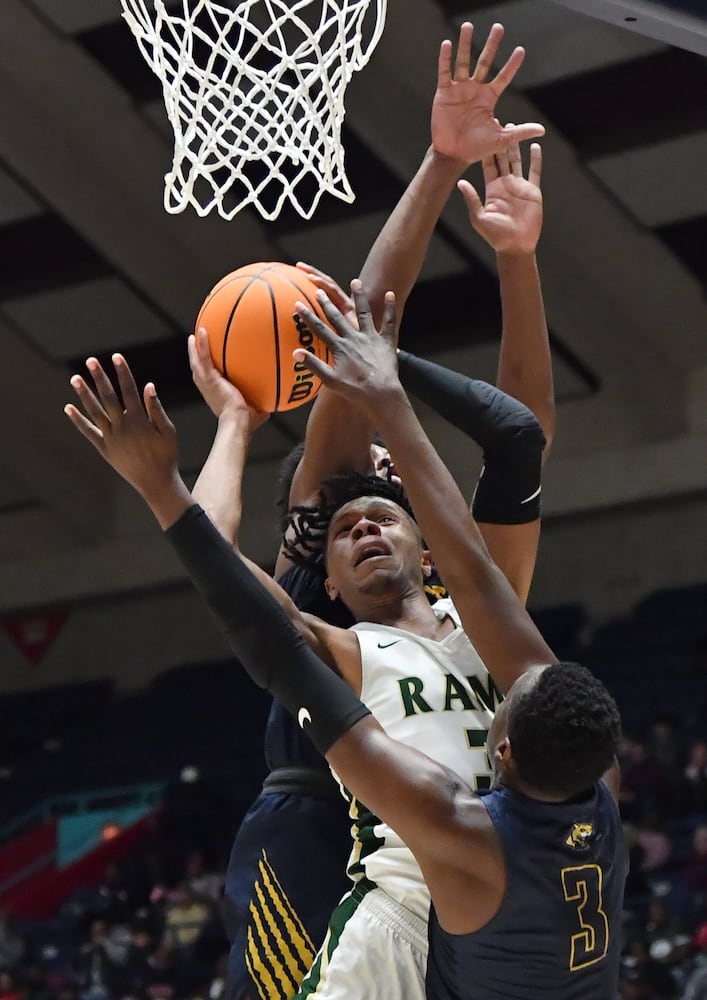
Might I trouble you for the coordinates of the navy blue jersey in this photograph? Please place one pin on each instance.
(557, 933)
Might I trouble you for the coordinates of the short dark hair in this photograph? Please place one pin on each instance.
(339, 490)
(564, 731)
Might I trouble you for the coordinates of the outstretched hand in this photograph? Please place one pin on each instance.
(511, 216)
(334, 292)
(464, 126)
(135, 436)
(364, 361)
(218, 393)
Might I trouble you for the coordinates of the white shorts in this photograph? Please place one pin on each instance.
(375, 949)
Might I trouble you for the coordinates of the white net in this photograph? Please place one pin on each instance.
(254, 92)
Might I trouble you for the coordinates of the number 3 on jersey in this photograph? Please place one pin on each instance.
(476, 738)
(582, 887)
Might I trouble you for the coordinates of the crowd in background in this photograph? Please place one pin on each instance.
(152, 929)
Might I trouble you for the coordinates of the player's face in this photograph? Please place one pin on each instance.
(383, 465)
(373, 547)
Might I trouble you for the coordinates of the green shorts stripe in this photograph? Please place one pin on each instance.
(339, 918)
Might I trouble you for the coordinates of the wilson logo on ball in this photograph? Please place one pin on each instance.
(304, 382)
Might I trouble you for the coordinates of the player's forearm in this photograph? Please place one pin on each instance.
(501, 630)
(337, 439)
(525, 363)
(218, 488)
(338, 434)
(168, 500)
(261, 631)
(439, 505)
(396, 258)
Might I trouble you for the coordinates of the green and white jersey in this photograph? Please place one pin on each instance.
(438, 697)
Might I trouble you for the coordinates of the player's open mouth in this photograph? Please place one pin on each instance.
(369, 551)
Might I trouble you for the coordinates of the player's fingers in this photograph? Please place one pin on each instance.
(319, 278)
(308, 268)
(195, 363)
(192, 350)
(488, 53)
(536, 163)
(463, 60)
(444, 66)
(314, 364)
(84, 426)
(90, 404)
(508, 71)
(155, 411)
(472, 199)
(333, 312)
(128, 389)
(389, 326)
(320, 329)
(363, 309)
(504, 167)
(490, 169)
(519, 133)
(335, 292)
(202, 346)
(106, 393)
(515, 161)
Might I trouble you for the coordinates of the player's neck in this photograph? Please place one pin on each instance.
(533, 793)
(409, 611)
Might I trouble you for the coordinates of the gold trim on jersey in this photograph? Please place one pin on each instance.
(583, 885)
(279, 951)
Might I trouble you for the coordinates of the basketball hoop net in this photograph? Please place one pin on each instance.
(254, 92)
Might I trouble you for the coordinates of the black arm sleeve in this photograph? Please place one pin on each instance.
(509, 434)
(261, 635)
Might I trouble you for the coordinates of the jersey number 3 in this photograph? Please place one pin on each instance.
(582, 887)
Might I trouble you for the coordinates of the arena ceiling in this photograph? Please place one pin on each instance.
(90, 262)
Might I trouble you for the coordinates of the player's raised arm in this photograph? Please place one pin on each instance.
(137, 438)
(365, 372)
(464, 130)
(218, 488)
(510, 220)
(506, 502)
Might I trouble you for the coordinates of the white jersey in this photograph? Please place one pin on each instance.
(438, 697)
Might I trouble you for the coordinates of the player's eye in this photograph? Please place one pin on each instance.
(386, 519)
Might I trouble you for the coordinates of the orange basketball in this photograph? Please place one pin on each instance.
(249, 319)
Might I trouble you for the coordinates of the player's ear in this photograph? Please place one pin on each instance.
(426, 563)
(502, 753)
(331, 590)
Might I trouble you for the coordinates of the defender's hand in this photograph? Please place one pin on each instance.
(364, 361)
(334, 292)
(463, 123)
(511, 217)
(218, 393)
(138, 440)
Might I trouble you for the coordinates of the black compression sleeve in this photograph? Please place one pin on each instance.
(261, 635)
(509, 434)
